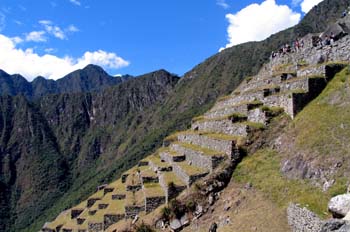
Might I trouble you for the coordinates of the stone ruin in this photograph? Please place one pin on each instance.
(285, 84)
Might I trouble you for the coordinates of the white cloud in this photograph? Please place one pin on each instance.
(75, 2)
(307, 5)
(17, 40)
(49, 50)
(72, 28)
(30, 64)
(36, 36)
(258, 21)
(223, 4)
(52, 29)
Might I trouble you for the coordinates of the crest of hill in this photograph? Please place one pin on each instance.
(91, 78)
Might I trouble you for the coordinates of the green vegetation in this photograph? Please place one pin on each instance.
(189, 169)
(232, 117)
(200, 149)
(262, 169)
(273, 111)
(144, 228)
(322, 128)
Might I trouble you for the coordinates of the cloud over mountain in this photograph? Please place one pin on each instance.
(258, 21)
(30, 64)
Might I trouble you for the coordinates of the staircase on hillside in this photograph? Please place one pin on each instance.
(187, 156)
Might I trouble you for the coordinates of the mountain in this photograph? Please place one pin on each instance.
(102, 134)
(61, 141)
(90, 78)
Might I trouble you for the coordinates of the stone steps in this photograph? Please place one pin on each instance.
(291, 102)
(224, 126)
(154, 196)
(239, 109)
(171, 184)
(232, 100)
(134, 203)
(170, 156)
(199, 156)
(224, 143)
(158, 165)
(149, 176)
(188, 173)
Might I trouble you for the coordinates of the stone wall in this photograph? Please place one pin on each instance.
(107, 190)
(95, 227)
(257, 115)
(244, 97)
(151, 203)
(188, 179)
(197, 158)
(219, 110)
(149, 179)
(118, 196)
(154, 167)
(91, 202)
(132, 210)
(221, 126)
(169, 158)
(225, 146)
(172, 191)
(75, 213)
(110, 219)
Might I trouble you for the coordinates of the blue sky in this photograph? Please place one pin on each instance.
(53, 37)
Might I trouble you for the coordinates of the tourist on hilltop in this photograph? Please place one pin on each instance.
(327, 41)
(332, 38)
(344, 13)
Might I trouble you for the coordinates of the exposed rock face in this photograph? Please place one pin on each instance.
(340, 205)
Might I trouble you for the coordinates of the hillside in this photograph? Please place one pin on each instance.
(83, 142)
(241, 135)
(46, 146)
(90, 78)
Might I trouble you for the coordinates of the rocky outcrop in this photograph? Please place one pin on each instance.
(339, 205)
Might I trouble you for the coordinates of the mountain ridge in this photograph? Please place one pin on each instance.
(90, 78)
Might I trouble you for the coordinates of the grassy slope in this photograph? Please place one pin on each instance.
(320, 131)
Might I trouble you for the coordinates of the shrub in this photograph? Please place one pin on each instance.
(144, 228)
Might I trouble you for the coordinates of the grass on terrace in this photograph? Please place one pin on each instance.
(134, 198)
(191, 169)
(171, 177)
(234, 116)
(153, 190)
(203, 150)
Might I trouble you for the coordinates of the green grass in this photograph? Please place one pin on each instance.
(262, 169)
(233, 117)
(200, 149)
(172, 177)
(190, 169)
(328, 117)
(153, 190)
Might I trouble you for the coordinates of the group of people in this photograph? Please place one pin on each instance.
(325, 41)
(295, 46)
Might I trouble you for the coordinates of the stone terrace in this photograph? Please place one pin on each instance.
(283, 85)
